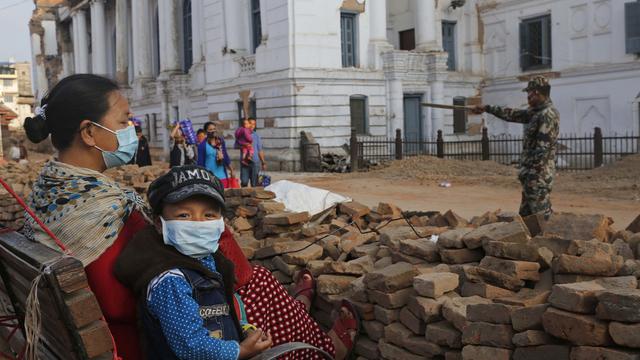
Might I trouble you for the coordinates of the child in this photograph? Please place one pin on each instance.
(244, 141)
(187, 306)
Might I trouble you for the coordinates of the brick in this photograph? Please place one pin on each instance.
(354, 209)
(279, 248)
(453, 355)
(455, 220)
(481, 274)
(523, 270)
(398, 256)
(412, 322)
(589, 353)
(246, 211)
(487, 218)
(525, 297)
(391, 278)
(576, 328)
(634, 227)
(484, 290)
(452, 239)
(367, 348)
(619, 305)
(560, 279)
(472, 352)
(358, 266)
(374, 329)
(396, 334)
(241, 224)
(420, 248)
(429, 310)
(351, 239)
(513, 251)
(455, 310)
(578, 226)
(460, 256)
(444, 334)
(589, 247)
(286, 218)
(270, 207)
(302, 257)
(528, 318)
(581, 297)
(514, 232)
(386, 316)
(284, 267)
(434, 285)
(394, 300)
(556, 244)
(532, 338)
(366, 249)
(625, 334)
(550, 352)
(490, 313)
(392, 352)
(391, 237)
(481, 333)
(334, 284)
(421, 346)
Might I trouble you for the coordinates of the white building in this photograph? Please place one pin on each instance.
(326, 66)
(15, 89)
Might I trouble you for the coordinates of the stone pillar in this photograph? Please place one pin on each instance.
(233, 25)
(378, 33)
(169, 54)
(196, 26)
(425, 30)
(40, 83)
(122, 42)
(396, 102)
(81, 41)
(98, 38)
(437, 69)
(141, 39)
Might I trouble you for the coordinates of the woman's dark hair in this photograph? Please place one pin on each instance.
(73, 99)
(206, 125)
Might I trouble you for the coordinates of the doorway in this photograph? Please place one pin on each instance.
(413, 128)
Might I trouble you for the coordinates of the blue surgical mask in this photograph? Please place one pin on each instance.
(196, 239)
(127, 147)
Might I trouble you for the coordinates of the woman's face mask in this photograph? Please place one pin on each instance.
(196, 239)
(127, 147)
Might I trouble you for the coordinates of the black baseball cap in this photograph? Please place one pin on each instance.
(182, 182)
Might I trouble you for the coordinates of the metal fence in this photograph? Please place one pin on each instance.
(575, 152)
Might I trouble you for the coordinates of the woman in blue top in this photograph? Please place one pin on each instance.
(212, 154)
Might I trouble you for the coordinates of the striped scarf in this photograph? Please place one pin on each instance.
(85, 209)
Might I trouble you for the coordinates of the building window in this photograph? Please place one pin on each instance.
(256, 24)
(535, 43)
(359, 116)
(349, 39)
(7, 83)
(459, 116)
(187, 36)
(407, 39)
(8, 99)
(449, 43)
(156, 43)
(632, 27)
(252, 111)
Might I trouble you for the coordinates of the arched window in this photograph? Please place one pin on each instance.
(187, 36)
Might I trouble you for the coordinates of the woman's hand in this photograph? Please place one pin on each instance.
(257, 342)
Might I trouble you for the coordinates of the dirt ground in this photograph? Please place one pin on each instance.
(477, 187)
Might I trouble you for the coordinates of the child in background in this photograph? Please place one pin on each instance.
(188, 309)
(244, 141)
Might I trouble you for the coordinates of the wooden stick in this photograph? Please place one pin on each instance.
(449, 107)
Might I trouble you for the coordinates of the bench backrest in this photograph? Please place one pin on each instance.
(71, 325)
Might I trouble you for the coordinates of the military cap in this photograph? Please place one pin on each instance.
(537, 82)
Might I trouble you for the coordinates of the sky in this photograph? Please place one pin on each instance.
(14, 27)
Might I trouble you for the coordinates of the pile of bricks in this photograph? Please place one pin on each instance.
(20, 177)
(495, 287)
(136, 177)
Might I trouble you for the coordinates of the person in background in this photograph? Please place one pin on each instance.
(181, 152)
(143, 155)
(244, 142)
(201, 135)
(250, 173)
(213, 155)
(14, 151)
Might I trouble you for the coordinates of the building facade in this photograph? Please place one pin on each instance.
(15, 90)
(327, 66)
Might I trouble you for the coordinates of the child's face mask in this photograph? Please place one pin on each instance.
(196, 239)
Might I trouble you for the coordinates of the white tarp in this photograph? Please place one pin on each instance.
(299, 197)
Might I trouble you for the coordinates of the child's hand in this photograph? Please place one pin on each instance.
(257, 342)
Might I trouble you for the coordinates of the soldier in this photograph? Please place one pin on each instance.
(538, 159)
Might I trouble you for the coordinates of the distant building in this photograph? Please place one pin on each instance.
(15, 90)
(327, 66)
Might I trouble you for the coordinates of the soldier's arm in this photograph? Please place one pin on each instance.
(545, 139)
(508, 114)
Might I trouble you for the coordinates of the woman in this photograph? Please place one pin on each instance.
(87, 119)
(213, 155)
(181, 152)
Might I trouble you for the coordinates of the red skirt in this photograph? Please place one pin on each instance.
(270, 307)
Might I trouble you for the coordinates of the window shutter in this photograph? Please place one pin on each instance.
(459, 116)
(632, 26)
(524, 46)
(546, 40)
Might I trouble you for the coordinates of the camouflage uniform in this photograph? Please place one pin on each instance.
(538, 159)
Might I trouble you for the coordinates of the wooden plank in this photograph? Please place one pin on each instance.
(96, 338)
(70, 275)
(33, 252)
(83, 307)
